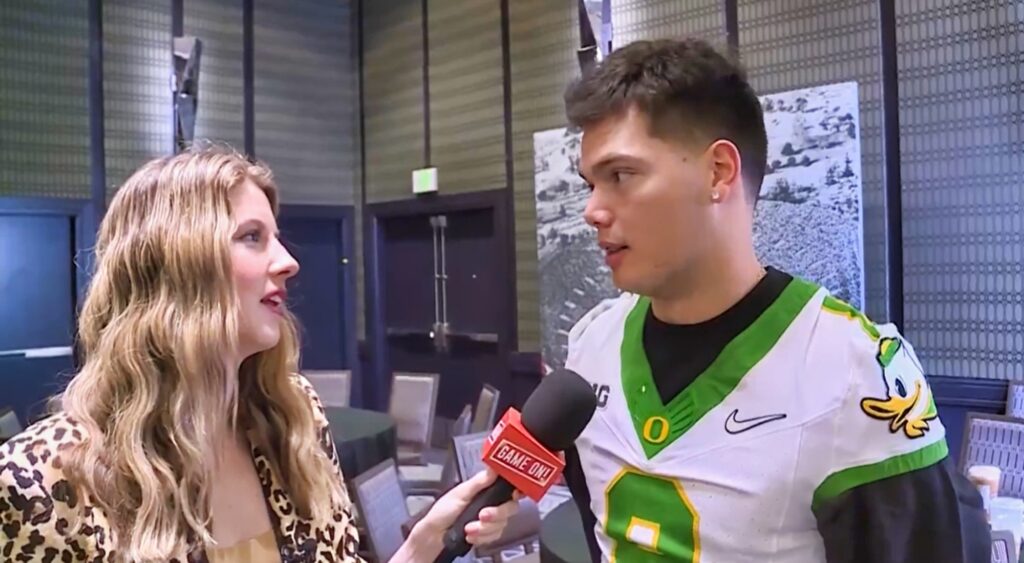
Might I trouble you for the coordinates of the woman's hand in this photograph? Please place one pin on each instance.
(426, 539)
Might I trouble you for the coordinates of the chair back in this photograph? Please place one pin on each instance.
(463, 423)
(449, 470)
(1015, 400)
(1004, 548)
(412, 405)
(992, 439)
(9, 424)
(381, 504)
(486, 409)
(333, 386)
(468, 452)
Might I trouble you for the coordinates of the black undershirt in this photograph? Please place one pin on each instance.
(903, 515)
(679, 353)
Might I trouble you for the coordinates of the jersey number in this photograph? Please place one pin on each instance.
(650, 520)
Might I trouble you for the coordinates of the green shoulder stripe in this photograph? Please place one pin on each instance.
(842, 481)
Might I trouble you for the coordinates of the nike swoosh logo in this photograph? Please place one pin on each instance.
(734, 425)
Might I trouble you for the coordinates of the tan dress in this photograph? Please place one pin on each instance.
(260, 549)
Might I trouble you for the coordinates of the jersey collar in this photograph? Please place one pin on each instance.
(658, 425)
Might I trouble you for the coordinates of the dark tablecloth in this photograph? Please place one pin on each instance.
(363, 438)
(561, 536)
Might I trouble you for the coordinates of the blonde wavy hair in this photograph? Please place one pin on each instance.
(160, 318)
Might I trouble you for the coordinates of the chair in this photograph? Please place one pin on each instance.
(9, 424)
(380, 503)
(1015, 400)
(333, 386)
(416, 483)
(486, 409)
(1004, 547)
(419, 486)
(463, 424)
(468, 454)
(992, 439)
(412, 405)
(523, 529)
(444, 428)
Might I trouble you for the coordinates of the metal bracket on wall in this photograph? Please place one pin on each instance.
(185, 85)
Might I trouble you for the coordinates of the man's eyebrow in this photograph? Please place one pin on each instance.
(610, 160)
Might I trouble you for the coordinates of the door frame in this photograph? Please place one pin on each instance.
(85, 224)
(377, 386)
(345, 214)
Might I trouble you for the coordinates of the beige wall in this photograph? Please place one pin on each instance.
(543, 40)
(305, 98)
(466, 101)
(467, 127)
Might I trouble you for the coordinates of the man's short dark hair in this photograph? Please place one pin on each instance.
(688, 89)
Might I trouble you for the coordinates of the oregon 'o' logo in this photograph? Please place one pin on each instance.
(662, 434)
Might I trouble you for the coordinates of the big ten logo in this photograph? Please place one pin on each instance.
(601, 391)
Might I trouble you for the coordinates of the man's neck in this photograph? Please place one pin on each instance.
(711, 292)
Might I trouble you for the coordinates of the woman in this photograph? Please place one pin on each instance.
(187, 435)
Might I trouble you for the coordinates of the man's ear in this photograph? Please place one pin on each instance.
(726, 170)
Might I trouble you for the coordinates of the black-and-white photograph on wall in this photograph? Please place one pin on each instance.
(808, 219)
(573, 275)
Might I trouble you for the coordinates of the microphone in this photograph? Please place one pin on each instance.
(520, 449)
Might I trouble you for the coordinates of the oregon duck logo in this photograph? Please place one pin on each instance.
(908, 404)
(659, 436)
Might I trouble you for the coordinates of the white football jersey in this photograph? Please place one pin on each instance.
(809, 401)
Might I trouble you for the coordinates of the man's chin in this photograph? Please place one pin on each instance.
(624, 283)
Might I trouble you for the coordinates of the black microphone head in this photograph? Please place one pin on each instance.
(559, 409)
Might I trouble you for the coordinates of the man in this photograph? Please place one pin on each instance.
(750, 416)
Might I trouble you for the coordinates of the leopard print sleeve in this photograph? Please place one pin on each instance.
(345, 533)
(37, 503)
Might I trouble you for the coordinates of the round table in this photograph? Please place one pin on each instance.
(562, 539)
(363, 438)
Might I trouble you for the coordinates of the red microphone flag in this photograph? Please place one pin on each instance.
(515, 455)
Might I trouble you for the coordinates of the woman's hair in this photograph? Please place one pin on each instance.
(159, 321)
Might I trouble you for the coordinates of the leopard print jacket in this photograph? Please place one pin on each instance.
(33, 490)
